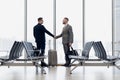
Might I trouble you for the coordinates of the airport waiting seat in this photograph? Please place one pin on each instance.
(30, 51)
(14, 53)
(100, 52)
(18, 51)
(84, 57)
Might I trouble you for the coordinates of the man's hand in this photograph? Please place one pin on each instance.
(55, 37)
(70, 44)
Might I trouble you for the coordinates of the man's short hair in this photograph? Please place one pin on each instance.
(40, 18)
(66, 18)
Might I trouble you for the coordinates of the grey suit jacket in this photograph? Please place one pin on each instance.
(67, 34)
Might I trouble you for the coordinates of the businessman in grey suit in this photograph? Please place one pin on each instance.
(67, 39)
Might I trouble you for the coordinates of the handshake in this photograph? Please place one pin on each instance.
(55, 37)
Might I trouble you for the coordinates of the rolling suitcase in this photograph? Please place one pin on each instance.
(52, 56)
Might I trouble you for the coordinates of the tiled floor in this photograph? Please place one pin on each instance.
(60, 73)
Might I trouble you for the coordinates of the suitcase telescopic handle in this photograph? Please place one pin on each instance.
(49, 44)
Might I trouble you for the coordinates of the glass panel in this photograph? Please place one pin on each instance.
(73, 10)
(117, 25)
(98, 23)
(12, 23)
(36, 9)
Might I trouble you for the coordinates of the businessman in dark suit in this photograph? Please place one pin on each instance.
(67, 39)
(39, 34)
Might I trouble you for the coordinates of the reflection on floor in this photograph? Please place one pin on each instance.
(60, 73)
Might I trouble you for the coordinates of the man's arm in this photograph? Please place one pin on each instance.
(70, 35)
(58, 36)
(48, 32)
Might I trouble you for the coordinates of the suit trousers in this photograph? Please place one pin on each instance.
(41, 47)
(66, 49)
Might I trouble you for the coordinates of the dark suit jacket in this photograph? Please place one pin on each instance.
(39, 33)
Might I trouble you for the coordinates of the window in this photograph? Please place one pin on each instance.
(11, 22)
(98, 22)
(73, 10)
(36, 9)
(117, 24)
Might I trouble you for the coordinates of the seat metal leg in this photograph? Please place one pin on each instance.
(72, 62)
(36, 69)
(75, 67)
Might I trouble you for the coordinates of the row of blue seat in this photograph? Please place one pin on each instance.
(100, 52)
(16, 53)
